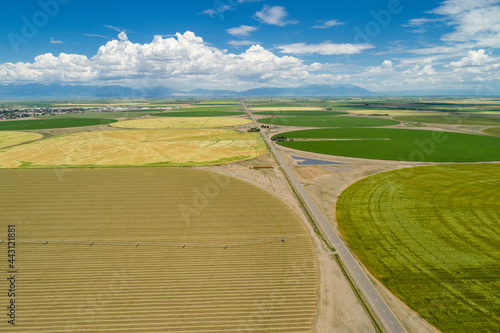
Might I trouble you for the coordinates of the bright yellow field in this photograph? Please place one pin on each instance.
(11, 138)
(257, 284)
(182, 123)
(140, 147)
(287, 108)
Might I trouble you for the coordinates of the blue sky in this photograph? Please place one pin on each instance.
(239, 44)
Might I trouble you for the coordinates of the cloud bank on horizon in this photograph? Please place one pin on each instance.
(459, 56)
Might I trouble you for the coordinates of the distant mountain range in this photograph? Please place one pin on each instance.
(37, 90)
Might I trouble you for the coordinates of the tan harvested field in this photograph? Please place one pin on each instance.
(257, 284)
(286, 108)
(136, 147)
(182, 123)
(12, 138)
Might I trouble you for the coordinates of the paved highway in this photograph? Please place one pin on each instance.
(382, 311)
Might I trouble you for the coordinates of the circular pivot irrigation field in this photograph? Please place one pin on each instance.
(333, 121)
(51, 123)
(182, 123)
(155, 250)
(431, 235)
(139, 147)
(397, 144)
(300, 113)
(8, 138)
(453, 120)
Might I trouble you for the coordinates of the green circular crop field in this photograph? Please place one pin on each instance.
(51, 123)
(431, 236)
(397, 144)
(328, 121)
(452, 120)
(310, 113)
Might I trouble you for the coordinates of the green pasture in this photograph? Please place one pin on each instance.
(51, 123)
(397, 144)
(452, 120)
(310, 113)
(431, 236)
(328, 121)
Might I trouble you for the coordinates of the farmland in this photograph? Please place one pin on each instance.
(328, 121)
(209, 108)
(397, 144)
(155, 250)
(430, 235)
(141, 147)
(493, 131)
(453, 120)
(199, 114)
(182, 123)
(14, 138)
(299, 113)
(16, 125)
(286, 108)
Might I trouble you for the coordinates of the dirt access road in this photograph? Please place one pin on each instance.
(384, 314)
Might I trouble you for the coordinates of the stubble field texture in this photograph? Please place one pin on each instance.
(181, 123)
(8, 138)
(136, 148)
(177, 113)
(430, 235)
(155, 250)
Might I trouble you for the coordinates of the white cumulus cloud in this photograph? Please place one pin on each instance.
(473, 58)
(241, 31)
(184, 61)
(275, 15)
(122, 36)
(328, 24)
(325, 48)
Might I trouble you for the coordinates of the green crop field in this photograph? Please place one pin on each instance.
(198, 114)
(143, 250)
(452, 120)
(209, 108)
(51, 123)
(310, 113)
(328, 121)
(493, 131)
(397, 144)
(430, 235)
(221, 102)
